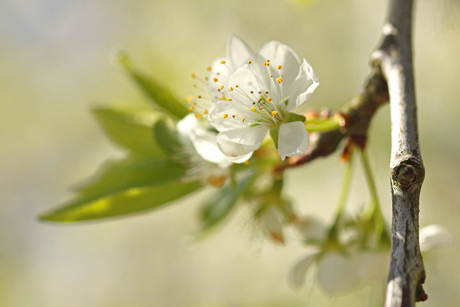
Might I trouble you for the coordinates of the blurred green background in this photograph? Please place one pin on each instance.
(54, 66)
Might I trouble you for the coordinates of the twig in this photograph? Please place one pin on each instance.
(394, 56)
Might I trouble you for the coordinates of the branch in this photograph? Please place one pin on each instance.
(394, 57)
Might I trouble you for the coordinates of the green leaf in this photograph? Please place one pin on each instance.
(222, 203)
(130, 201)
(130, 128)
(274, 132)
(166, 137)
(293, 117)
(158, 93)
(131, 172)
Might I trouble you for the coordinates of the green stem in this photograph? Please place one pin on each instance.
(373, 211)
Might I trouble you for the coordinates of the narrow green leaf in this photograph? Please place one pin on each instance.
(222, 203)
(130, 201)
(166, 137)
(274, 132)
(131, 172)
(158, 93)
(130, 128)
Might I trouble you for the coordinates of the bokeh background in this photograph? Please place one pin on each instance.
(54, 66)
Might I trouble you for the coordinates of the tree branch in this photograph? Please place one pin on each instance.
(394, 57)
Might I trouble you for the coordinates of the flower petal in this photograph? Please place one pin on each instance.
(243, 82)
(239, 142)
(433, 237)
(293, 139)
(187, 124)
(219, 108)
(279, 54)
(238, 52)
(303, 87)
(338, 274)
(221, 73)
(204, 142)
(297, 273)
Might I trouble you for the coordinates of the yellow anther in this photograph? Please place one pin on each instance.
(269, 99)
(243, 119)
(229, 99)
(261, 108)
(225, 116)
(279, 80)
(190, 109)
(249, 62)
(209, 68)
(205, 111)
(231, 88)
(193, 75)
(215, 80)
(279, 66)
(252, 92)
(237, 86)
(233, 116)
(253, 109)
(271, 76)
(199, 96)
(274, 113)
(221, 87)
(268, 61)
(222, 62)
(206, 78)
(246, 162)
(199, 115)
(189, 99)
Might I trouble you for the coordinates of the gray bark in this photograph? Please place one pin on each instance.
(394, 58)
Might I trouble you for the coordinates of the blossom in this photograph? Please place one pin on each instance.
(199, 150)
(339, 272)
(253, 93)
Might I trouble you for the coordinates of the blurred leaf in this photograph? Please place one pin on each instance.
(157, 93)
(130, 128)
(126, 202)
(166, 137)
(222, 203)
(132, 172)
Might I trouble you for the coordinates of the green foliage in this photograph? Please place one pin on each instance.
(131, 172)
(123, 187)
(154, 90)
(166, 137)
(222, 203)
(130, 128)
(125, 202)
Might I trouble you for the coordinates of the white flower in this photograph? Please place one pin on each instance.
(252, 94)
(207, 163)
(339, 273)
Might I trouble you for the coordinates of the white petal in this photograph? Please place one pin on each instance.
(216, 116)
(205, 144)
(303, 87)
(293, 139)
(244, 80)
(239, 142)
(297, 273)
(238, 52)
(433, 237)
(280, 54)
(187, 124)
(222, 73)
(239, 159)
(338, 274)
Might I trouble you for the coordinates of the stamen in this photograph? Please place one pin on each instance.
(222, 62)
(253, 109)
(209, 68)
(261, 108)
(274, 113)
(271, 76)
(246, 162)
(199, 115)
(191, 109)
(199, 96)
(279, 80)
(243, 119)
(269, 99)
(233, 116)
(221, 87)
(225, 116)
(249, 62)
(279, 66)
(205, 111)
(189, 99)
(215, 79)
